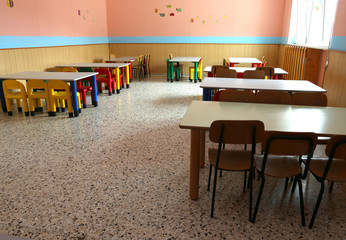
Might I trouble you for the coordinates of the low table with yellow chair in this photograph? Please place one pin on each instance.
(71, 77)
(177, 60)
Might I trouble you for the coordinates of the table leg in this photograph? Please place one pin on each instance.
(195, 73)
(94, 90)
(130, 69)
(2, 97)
(206, 94)
(202, 149)
(74, 98)
(117, 80)
(171, 70)
(127, 76)
(194, 163)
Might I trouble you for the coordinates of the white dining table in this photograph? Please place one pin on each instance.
(209, 84)
(70, 77)
(115, 66)
(324, 121)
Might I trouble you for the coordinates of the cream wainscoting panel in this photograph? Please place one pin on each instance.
(211, 53)
(42, 59)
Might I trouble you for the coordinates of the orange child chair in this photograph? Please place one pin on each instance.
(199, 71)
(37, 90)
(105, 76)
(9, 94)
(60, 90)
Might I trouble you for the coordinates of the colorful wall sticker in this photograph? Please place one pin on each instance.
(169, 6)
(178, 9)
(156, 10)
(162, 14)
(171, 14)
(10, 3)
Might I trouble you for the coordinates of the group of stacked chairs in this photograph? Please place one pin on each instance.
(57, 93)
(278, 148)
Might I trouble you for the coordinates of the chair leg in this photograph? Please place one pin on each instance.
(331, 187)
(286, 184)
(209, 178)
(250, 200)
(317, 205)
(245, 173)
(214, 192)
(301, 200)
(258, 199)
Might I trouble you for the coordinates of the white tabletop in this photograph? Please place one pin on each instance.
(277, 117)
(123, 59)
(95, 65)
(185, 59)
(261, 84)
(65, 76)
(277, 71)
(243, 60)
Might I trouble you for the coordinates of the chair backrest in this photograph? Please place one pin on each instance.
(236, 131)
(58, 85)
(225, 63)
(215, 68)
(309, 99)
(226, 73)
(85, 69)
(170, 56)
(259, 74)
(336, 147)
(147, 58)
(12, 84)
(103, 72)
(268, 71)
(200, 63)
(216, 96)
(273, 97)
(69, 69)
(237, 96)
(34, 84)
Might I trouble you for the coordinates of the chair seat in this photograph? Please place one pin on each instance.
(279, 166)
(231, 160)
(337, 170)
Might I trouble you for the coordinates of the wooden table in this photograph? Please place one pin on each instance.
(278, 72)
(115, 66)
(324, 121)
(126, 59)
(235, 60)
(70, 77)
(177, 60)
(209, 84)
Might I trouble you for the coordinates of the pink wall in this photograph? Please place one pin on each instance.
(254, 18)
(340, 19)
(54, 18)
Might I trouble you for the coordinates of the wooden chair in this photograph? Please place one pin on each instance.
(139, 68)
(226, 73)
(237, 96)
(233, 132)
(256, 74)
(332, 168)
(215, 68)
(268, 71)
(280, 160)
(273, 97)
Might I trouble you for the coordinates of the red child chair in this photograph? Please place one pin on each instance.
(105, 76)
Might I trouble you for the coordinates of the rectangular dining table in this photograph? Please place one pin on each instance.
(209, 84)
(278, 72)
(115, 66)
(235, 60)
(70, 77)
(125, 59)
(177, 60)
(324, 121)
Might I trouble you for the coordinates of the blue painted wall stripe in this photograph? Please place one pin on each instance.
(338, 43)
(181, 39)
(43, 41)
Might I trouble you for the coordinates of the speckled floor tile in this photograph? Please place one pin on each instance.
(121, 171)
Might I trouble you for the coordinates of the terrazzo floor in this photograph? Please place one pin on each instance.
(121, 171)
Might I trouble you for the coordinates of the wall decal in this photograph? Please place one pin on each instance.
(156, 10)
(87, 11)
(171, 14)
(78, 12)
(169, 6)
(191, 20)
(10, 3)
(162, 14)
(178, 9)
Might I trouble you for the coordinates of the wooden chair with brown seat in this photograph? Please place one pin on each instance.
(233, 133)
(280, 160)
(269, 71)
(226, 73)
(273, 97)
(230, 95)
(332, 168)
(255, 74)
(215, 68)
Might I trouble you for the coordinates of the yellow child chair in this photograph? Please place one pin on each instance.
(8, 86)
(199, 71)
(64, 94)
(37, 90)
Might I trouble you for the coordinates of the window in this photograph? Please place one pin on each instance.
(312, 22)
